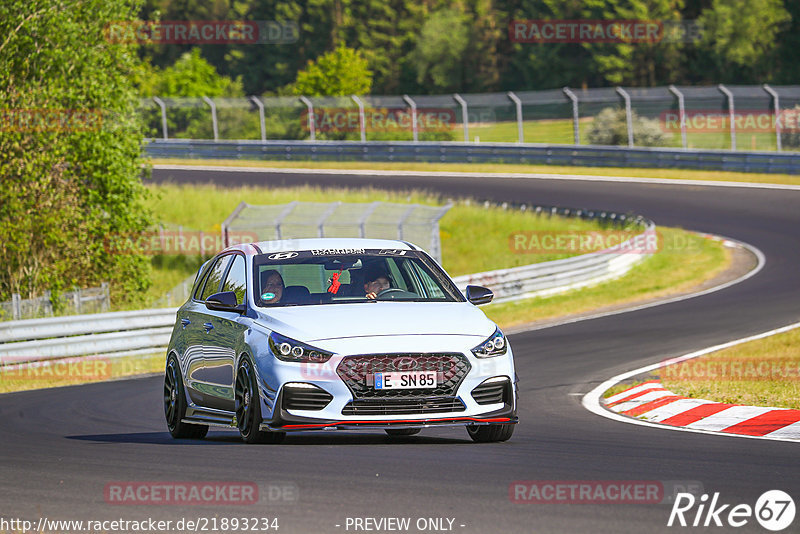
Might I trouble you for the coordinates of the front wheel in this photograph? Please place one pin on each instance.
(490, 433)
(175, 404)
(248, 407)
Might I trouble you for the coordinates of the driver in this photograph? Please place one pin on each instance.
(375, 284)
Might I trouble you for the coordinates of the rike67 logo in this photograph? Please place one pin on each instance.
(774, 510)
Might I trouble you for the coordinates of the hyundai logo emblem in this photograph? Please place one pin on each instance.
(405, 364)
(282, 255)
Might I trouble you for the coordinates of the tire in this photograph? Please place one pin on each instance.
(175, 404)
(490, 433)
(248, 407)
(398, 432)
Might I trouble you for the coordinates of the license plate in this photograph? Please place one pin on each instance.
(406, 380)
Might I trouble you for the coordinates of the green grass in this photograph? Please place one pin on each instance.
(560, 131)
(677, 174)
(685, 261)
(765, 372)
(57, 374)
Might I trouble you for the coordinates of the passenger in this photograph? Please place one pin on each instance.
(271, 287)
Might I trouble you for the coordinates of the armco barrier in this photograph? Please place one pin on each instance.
(148, 331)
(450, 152)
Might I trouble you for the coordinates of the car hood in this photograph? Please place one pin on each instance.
(334, 321)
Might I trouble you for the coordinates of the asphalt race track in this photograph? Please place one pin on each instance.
(60, 448)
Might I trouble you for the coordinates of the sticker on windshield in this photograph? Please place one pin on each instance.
(282, 255)
(336, 251)
(393, 252)
(267, 296)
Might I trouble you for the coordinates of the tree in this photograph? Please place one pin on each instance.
(741, 36)
(440, 50)
(341, 72)
(71, 143)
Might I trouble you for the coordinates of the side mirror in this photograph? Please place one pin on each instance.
(479, 295)
(225, 301)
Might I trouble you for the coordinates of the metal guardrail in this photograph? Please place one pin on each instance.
(451, 152)
(112, 334)
(148, 331)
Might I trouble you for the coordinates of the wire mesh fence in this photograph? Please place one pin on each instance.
(89, 300)
(378, 220)
(737, 117)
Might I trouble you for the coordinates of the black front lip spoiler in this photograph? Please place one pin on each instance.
(286, 422)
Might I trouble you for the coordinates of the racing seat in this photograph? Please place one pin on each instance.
(296, 295)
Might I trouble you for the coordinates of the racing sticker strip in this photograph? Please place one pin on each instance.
(653, 403)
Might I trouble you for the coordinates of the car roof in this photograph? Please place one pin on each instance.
(320, 243)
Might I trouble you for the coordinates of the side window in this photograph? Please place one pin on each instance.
(215, 277)
(236, 279)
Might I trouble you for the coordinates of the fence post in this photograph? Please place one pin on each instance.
(413, 106)
(628, 114)
(575, 127)
(402, 221)
(361, 120)
(47, 303)
(518, 104)
(106, 302)
(312, 123)
(777, 105)
(260, 105)
(464, 115)
(16, 308)
(76, 300)
(681, 114)
(362, 221)
(213, 116)
(327, 213)
(731, 113)
(163, 107)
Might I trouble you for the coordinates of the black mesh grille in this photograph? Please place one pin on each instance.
(295, 398)
(358, 372)
(403, 406)
(491, 393)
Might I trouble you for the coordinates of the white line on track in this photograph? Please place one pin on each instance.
(445, 174)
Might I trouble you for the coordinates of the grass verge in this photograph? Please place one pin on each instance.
(764, 372)
(675, 174)
(685, 261)
(59, 373)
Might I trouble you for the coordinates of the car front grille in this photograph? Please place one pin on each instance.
(305, 398)
(492, 392)
(358, 372)
(428, 405)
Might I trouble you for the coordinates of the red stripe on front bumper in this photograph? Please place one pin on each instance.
(473, 419)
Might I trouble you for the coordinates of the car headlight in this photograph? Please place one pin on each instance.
(290, 350)
(494, 346)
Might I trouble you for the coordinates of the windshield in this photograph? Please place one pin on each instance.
(340, 276)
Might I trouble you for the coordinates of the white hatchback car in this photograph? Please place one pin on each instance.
(325, 334)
